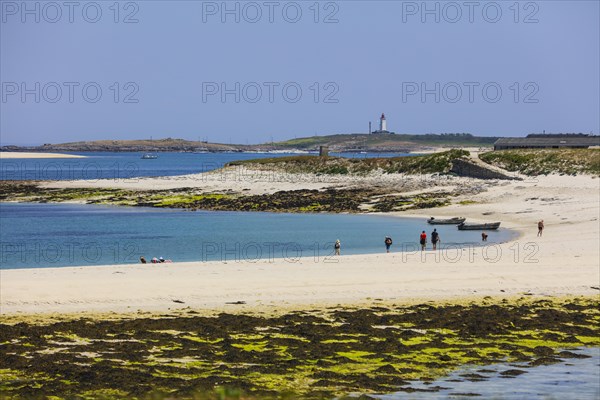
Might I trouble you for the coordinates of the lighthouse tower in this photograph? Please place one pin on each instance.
(382, 123)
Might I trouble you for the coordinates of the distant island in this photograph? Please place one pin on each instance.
(337, 143)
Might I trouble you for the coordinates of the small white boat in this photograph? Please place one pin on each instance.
(149, 157)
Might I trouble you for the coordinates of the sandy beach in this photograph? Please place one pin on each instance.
(565, 261)
(11, 155)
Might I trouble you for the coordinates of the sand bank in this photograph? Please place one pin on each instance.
(10, 155)
(565, 261)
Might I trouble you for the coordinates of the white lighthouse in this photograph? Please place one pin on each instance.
(382, 123)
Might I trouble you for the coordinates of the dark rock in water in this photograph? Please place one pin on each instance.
(464, 394)
(477, 376)
(511, 373)
(569, 354)
(543, 351)
(474, 377)
(544, 361)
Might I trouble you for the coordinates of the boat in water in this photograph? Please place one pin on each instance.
(479, 227)
(448, 221)
(149, 157)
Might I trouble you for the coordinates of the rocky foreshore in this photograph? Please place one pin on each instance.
(312, 354)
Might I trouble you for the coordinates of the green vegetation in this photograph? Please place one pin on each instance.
(301, 201)
(382, 142)
(316, 354)
(546, 161)
(431, 163)
(418, 201)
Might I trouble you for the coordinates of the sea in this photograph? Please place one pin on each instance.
(58, 235)
(110, 165)
(571, 379)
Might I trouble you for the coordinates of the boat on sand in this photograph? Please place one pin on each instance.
(490, 226)
(447, 221)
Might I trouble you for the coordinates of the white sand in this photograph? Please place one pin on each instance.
(566, 262)
(11, 155)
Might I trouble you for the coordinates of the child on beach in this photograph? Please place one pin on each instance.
(540, 227)
(388, 243)
(423, 240)
(337, 247)
(435, 238)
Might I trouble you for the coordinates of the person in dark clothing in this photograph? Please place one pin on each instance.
(143, 260)
(337, 246)
(388, 243)
(435, 238)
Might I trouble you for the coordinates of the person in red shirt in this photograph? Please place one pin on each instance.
(423, 240)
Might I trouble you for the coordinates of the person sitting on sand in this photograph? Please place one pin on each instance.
(143, 260)
(540, 227)
(388, 243)
(154, 260)
(337, 246)
(161, 260)
(484, 237)
(435, 238)
(423, 240)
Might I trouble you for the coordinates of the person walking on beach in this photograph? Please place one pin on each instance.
(388, 243)
(423, 240)
(540, 227)
(435, 238)
(337, 246)
(484, 237)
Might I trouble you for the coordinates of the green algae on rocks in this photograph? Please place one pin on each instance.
(304, 354)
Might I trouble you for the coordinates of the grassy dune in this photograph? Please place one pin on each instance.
(386, 141)
(433, 163)
(546, 161)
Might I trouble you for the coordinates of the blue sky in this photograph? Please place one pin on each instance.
(494, 69)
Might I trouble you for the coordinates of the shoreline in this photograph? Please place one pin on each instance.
(565, 261)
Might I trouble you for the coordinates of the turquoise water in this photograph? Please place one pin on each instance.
(572, 379)
(108, 165)
(54, 235)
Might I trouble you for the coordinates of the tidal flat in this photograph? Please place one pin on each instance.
(318, 353)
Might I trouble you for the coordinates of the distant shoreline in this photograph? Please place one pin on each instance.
(15, 155)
